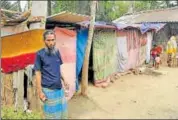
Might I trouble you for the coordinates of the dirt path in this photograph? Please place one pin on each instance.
(131, 96)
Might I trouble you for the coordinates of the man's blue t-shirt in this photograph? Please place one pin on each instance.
(49, 65)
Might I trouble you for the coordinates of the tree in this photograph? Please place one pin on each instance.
(9, 5)
(28, 4)
(10, 8)
(110, 10)
(19, 6)
(167, 3)
(83, 7)
(49, 7)
(131, 7)
(84, 82)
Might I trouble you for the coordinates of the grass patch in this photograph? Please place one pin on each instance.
(8, 113)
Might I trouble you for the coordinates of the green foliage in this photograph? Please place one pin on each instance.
(141, 5)
(112, 10)
(81, 7)
(9, 5)
(108, 10)
(8, 113)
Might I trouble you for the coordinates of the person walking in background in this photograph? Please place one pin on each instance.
(48, 79)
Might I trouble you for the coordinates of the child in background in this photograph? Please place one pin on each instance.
(158, 61)
(154, 54)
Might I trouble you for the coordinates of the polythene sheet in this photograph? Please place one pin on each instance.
(122, 53)
(66, 43)
(104, 54)
(135, 54)
(82, 37)
(148, 46)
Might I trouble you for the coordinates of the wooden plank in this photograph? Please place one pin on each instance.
(20, 89)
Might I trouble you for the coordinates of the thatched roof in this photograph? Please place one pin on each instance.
(10, 18)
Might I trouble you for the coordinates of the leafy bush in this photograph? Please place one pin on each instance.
(8, 113)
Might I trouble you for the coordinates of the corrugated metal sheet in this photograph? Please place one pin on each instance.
(160, 15)
(68, 17)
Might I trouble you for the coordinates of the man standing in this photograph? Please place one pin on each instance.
(48, 79)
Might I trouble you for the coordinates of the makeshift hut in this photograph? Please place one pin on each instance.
(18, 58)
(115, 49)
(103, 56)
(133, 46)
(155, 23)
(19, 45)
(104, 53)
(168, 17)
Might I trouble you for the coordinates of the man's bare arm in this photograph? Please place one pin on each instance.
(39, 88)
(38, 82)
(63, 76)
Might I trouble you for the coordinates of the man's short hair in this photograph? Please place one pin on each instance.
(48, 32)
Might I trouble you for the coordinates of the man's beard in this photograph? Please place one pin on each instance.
(51, 51)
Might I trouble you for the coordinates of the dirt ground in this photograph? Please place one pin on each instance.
(131, 96)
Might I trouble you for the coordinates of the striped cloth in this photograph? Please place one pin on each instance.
(55, 107)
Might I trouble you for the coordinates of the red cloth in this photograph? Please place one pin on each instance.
(153, 51)
(158, 49)
(11, 64)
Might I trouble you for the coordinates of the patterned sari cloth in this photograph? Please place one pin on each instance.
(171, 51)
(55, 107)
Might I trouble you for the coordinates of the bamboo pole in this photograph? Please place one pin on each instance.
(9, 11)
(84, 82)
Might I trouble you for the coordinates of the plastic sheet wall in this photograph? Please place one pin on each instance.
(66, 43)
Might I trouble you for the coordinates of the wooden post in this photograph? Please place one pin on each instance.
(20, 89)
(131, 9)
(39, 8)
(84, 82)
(49, 7)
(2, 86)
(39, 12)
(29, 6)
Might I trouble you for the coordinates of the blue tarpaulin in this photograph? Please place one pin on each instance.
(82, 36)
(143, 27)
(121, 26)
(151, 26)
